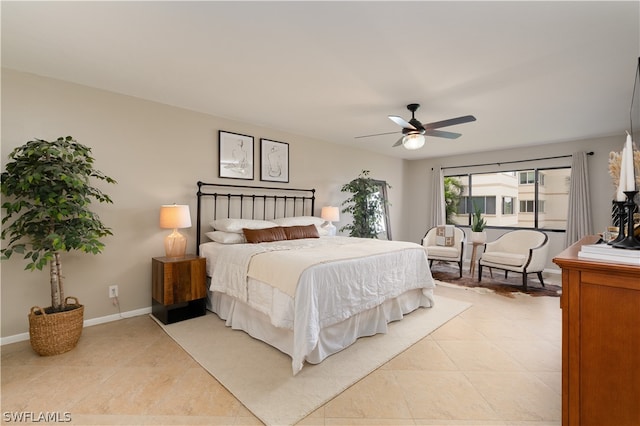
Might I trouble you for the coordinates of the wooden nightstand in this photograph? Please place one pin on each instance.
(178, 288)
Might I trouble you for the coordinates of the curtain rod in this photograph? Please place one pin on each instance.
(509, 162)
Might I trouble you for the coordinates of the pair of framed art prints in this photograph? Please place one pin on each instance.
(236, 158)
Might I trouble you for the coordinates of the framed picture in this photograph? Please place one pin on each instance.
(274, 161)
(235, 155)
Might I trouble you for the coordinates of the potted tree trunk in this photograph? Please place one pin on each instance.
(47, 190)
(364, 205)
(478, 223)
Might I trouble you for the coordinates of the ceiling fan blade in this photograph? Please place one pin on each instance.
(398, 143)
(401, 122)
(450, 122)
(375, 134)
(442, 134)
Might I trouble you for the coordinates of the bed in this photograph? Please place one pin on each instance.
(273, 273)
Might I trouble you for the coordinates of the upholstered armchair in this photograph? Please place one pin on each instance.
(523, 251)
(445, 243)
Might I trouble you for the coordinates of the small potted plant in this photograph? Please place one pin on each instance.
(478, 223)
(47, 193)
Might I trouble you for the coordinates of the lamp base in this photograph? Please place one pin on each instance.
(175, 244)
(331, 229)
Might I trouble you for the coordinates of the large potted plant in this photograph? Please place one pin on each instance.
(365, 205)
(47, 193)
(478, 223)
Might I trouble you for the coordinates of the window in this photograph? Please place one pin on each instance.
(526, 206)
(507, 205)
(529, 178)
(537, 198)
(485, 204)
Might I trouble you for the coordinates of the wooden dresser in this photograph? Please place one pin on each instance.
(600, 340)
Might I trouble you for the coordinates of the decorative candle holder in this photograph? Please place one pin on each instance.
(630, 241)
(620, 213)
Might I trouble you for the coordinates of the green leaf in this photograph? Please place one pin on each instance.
(47, 196)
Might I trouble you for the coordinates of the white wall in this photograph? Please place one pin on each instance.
(157, 153)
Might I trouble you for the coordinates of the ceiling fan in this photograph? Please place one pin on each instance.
(414, 132)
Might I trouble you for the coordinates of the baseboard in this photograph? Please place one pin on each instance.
(87, 323)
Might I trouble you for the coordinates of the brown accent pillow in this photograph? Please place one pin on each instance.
(266, 235)
(301, 231)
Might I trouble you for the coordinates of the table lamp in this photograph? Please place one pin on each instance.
(174, 217)
(330, 214)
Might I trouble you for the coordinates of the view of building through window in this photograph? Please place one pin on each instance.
(520, 199)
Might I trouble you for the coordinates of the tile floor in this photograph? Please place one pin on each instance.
(498, 363)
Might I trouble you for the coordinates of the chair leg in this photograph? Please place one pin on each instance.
(460, 266)
(479, 271)
(540, 278)
(524, 281)
(505, 274)
(430, 263)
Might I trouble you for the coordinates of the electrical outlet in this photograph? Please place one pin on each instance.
(113, 291)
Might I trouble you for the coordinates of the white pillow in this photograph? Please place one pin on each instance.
(226, 237)
(299, 221)
(236, 225)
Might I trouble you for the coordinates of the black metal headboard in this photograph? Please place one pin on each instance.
(251, 202)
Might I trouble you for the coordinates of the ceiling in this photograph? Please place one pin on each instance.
(530, 72)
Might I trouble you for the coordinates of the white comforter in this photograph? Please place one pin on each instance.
(330, 287)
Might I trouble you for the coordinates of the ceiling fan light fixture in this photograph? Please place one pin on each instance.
(413, 141)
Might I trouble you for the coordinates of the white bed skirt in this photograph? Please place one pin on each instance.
(332, 339)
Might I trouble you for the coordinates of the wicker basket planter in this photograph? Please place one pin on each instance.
(56, 333)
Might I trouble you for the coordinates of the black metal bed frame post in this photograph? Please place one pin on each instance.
(198, 224)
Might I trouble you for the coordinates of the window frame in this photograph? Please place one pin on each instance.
(506, 203)
(538, 178)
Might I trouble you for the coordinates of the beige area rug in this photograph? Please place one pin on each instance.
(261, 378)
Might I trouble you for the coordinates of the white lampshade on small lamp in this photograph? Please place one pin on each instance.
(413, 141)
(330, 214)
(174, 217)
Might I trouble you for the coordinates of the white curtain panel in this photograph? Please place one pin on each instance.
(438, 216)
(579, 211)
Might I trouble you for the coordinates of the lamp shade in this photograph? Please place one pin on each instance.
(413, 141)
(330, 214)
(175, 216)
